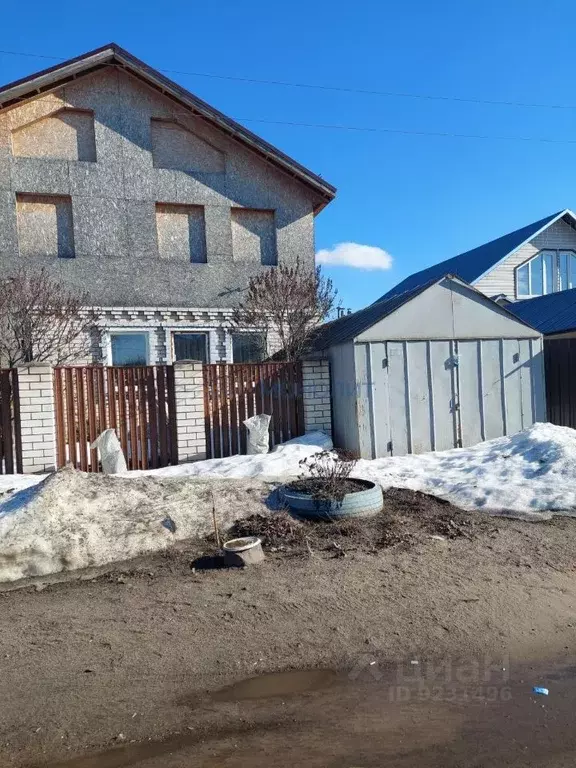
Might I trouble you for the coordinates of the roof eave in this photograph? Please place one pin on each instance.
(113, 55)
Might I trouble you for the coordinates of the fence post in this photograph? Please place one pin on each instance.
(190, 427)
(316, 396)
(37, 418)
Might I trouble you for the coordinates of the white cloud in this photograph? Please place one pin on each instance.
(355, 255)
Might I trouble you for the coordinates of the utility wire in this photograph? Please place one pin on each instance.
(334, 88)
(357, 128)
(399, 131)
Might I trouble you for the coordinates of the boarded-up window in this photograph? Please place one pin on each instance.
(254, 236)
(68, 134)
(180, 150)
(181, 232)
(45, 226)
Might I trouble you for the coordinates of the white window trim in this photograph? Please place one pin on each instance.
(170, 330)
(556, 273)
(107, 340)
(242, 331)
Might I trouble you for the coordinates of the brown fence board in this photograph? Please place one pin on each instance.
(234, 426)
(234, 392)
(163, 436)
(82, 439)
(172, 426)
(241, 396)
(16, 420)
(138, 403)
(92, 426)
(299, 400)
(152, 416)
(6, 436)
(122, 432)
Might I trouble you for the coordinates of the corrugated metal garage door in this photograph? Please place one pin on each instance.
(435, 395)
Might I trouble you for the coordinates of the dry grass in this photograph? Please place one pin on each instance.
(407, 517)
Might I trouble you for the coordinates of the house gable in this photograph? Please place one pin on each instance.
(448, 309)
(113, 56)
(501, 279)
(479, 263)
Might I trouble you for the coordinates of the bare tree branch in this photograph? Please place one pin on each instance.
(290, 302)
(41, 320)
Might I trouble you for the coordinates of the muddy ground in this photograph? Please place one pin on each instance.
(134, 653)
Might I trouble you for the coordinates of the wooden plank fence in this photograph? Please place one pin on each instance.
(137, 401)
(10, 431)
(235, 391)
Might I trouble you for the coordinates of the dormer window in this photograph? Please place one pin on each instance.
(548, 272)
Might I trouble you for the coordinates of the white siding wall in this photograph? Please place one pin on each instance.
(502, 278)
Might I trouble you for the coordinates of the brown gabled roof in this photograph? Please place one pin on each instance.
(114, 55)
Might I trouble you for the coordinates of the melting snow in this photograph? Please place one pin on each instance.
(531, 475)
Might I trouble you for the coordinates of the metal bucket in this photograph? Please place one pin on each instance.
(242, 552)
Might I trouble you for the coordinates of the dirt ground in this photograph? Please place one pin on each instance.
(132, 654)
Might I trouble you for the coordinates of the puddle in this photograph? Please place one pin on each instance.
(128, 755)
(277, 684)
(427, 715)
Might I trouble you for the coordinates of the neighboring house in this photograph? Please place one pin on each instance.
(435, 367)
(536, 260)
(127, 186)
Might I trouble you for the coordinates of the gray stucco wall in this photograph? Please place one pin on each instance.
(113, 200)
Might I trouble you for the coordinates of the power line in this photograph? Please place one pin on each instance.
(357, 128)
(334, 88)
(401, 131)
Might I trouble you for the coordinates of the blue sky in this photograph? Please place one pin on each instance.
(420, 198)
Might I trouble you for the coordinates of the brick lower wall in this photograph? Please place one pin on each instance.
(316, 389)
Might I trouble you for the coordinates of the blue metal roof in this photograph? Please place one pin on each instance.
(554, 313)
(473, 264)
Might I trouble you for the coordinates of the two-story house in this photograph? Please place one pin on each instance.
(125, 185)
(536, 260)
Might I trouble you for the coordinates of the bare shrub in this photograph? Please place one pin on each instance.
(41, 320)
(289, 303)
(326, 475)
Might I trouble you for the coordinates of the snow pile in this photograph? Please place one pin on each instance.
(76, 520)
(281, 462)
(73, 520)
(531, 475)
(11, 483)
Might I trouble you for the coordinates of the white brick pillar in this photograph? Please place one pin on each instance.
(316, 395)
(35, 382)
(190, 427)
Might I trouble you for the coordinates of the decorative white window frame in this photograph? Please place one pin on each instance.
(556, 252)
(210, 332)
(245, 332)
(107, 334)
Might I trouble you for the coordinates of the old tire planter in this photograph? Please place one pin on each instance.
(361, 503)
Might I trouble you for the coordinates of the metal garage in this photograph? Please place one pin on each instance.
(438, 367)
